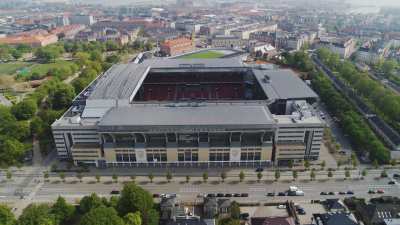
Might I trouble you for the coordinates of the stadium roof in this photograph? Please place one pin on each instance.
(122, 80)
(283, 84)
(138, 117)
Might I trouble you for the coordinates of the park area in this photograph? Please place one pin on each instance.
(204, 55)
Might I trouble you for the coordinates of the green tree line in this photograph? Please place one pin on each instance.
(135, 206)
(383, 101)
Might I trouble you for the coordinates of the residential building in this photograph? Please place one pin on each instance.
(176, 46)
(34, 38)
(227, 41)
(215, 206)
(82, 19)
(345, 47)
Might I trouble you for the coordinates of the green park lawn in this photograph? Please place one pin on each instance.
(44, 68)
(204, 55)
(11, 68)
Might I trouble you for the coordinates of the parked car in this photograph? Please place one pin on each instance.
(380, 191)
(323, 193)
(392, 182)
(211, 195)
(156, 195)
(244, 195)
(281, 206)
(115, 192)
(259, 169)
(331, 193)
(271, 194)
(301, 211)
(350, 192)
(342, 193)
(371, 192)
(244, 216)
(236, 195)
(396, 176)
(281, 194)
(220, 195)
(228, 195)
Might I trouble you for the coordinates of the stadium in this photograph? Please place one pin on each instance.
(191, 113)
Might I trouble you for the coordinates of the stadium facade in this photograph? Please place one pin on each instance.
(191, 112)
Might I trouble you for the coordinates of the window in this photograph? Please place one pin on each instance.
(131, 157)
(188, 155)
(219, 154)
(156, 155)
(250, 154)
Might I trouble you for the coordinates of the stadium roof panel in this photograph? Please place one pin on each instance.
(131, 117)
(283, 84)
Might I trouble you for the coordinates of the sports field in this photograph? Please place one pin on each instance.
(204, 55)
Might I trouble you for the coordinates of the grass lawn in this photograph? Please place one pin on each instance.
(11, 68)
(204, 55)
(44, 68)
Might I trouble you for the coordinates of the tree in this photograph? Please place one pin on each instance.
(223, 177)
(290, 164)
(375, 164)
(364, 173)
(259, 176)
(234, 210)
(241, 176)
(134, 198)
(98, 178)
(46, 175)
(8, 175)
(168, 176)
(102, 216)
(133, 218)
(294, 174)
(323, 164)
(330, 174)
(62, 211)
(384, 174)
(347, 174)
(62, 176)
(115, 178)
(25, 109)
(153, 218)
(89, 203)
(6, 216)
(61, 96)
(205, 177)
(151, 177)
(187, 178)
(277, 175)
(133, 178)
(306, 164)
(393, 162)
(37, 215)
(11, 149)
(79, 176)
(312, 175)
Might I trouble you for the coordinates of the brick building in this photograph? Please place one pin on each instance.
(176, 46)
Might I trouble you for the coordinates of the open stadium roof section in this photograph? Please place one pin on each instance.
(219, 116)
(213, 78)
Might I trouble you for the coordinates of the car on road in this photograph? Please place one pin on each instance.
(342, 193)
(380, 191)
(281, 207)
(236, 195)
(220, 195)
(244, 216)
(301, 211)
(156, 195)
(271, 194)
(115, 192)
(371, 192)
(228, 195)
(259, 169)
(331, 193)
(281, 194)
(350, 192)
(211, 195)
(396, 176)
(244, 195)
(323, 193)
(392, 182)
